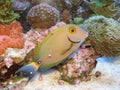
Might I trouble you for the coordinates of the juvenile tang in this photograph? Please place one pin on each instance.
(54, 49)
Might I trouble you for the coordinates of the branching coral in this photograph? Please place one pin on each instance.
(7, 15)
(43, 16)
(10, 36)
(104, 35)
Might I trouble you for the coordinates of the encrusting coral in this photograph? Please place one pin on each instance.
(43, 15)
(104, 35)
(10, 36)
(7, 15)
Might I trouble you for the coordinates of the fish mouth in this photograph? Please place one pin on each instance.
(73, 41)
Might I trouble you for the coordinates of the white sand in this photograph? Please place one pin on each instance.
(109, 80)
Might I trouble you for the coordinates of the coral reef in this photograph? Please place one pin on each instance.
(66, 16)
(66, 8)
(102, 7)
(7, 15)
(117, 3)
(81, 10)
(80, 66)
(21, 5)
(76, 3)
(77, 8)
(78, 21)
(10, 36)
(117, 16)
(59, 4)
(14, 58)
(43, 16)
(104, 35)
(7, 73)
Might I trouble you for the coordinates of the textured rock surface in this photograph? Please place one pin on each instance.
(78, 68)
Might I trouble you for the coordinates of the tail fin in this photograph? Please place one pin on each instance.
(28, 70)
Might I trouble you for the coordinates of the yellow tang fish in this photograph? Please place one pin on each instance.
(55, 48)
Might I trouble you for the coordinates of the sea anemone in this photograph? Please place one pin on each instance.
(10, 36)
(43, 15)
(104, 35)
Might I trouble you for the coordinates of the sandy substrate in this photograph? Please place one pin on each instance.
(109, 79)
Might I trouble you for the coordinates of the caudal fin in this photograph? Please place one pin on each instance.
(28, 70)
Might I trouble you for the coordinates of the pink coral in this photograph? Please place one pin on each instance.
(10, 36)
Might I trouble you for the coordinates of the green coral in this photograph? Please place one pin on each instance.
(7, 15)
(103, 7)
(104, 35)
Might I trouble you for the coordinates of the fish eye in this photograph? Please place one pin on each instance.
(72, 29)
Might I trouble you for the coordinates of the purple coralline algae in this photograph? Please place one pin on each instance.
(79, 68)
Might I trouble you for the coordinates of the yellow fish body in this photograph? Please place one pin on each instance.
(55, 48)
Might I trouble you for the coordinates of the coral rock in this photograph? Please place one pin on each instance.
(80, 66)
(66, 16)
(76, 2)
(10, 36)
(21, 5)
(43, 16)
